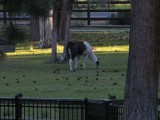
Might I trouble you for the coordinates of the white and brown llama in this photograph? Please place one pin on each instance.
(77, 49)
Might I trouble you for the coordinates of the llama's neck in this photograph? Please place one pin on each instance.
(90, 53)
(93, 57)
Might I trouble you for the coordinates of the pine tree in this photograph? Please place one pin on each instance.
(141, 92)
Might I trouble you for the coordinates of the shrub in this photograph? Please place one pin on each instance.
(124, 18)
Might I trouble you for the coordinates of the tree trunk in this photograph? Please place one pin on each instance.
(61, 23)
(141, 90)
(65, 12)
(54, 37)
(34, 28)
(45, 32)
(66, 25)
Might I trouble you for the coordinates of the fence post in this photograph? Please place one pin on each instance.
(86, 108)
(107, 109)
(18, 107)
(88, 12)
(4, 13)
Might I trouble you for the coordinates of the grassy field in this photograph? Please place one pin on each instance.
(30, 73)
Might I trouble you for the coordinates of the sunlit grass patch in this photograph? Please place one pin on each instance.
(122, 48)
(35, 51)
(115, 48)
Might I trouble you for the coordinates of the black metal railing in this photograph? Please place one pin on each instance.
(22, 108)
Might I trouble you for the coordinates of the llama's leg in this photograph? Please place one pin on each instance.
(70, 64)
(77, 60)
(84, 61)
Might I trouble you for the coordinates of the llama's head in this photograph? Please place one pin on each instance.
(97, 63)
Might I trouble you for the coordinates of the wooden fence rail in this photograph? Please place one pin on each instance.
(83, 7)
(87, 7)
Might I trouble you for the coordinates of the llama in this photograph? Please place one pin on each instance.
(77, 49)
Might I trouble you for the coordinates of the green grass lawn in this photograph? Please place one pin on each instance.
(33, 76)
(30, 73)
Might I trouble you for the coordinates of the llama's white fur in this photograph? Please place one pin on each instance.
(90, 53)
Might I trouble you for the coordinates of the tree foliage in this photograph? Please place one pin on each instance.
(14, 34)
(37, 7)
(31, 7)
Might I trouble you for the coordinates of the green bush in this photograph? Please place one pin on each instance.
(124, 18)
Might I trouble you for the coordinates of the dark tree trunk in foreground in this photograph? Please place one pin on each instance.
(141, 90)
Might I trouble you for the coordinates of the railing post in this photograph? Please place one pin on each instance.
(107, 107)
(86, 108)
(18, 107)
